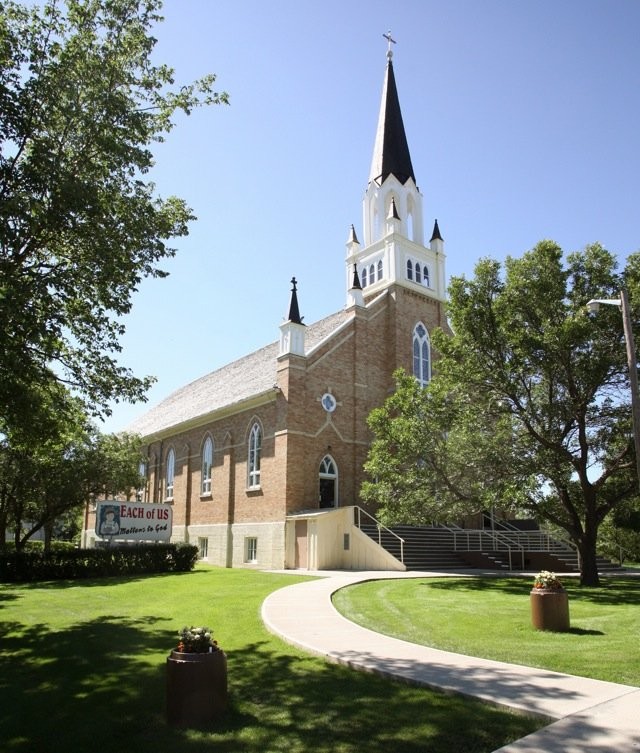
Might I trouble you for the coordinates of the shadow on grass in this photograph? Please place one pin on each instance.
(5, 596)
(101, 685)
(580, 631)
(617, 590)
(102, 580)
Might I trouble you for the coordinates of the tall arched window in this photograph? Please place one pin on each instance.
(421, 354)
(364, 277)
(328, 483)
(253, 461)
(425, 276)
(372, 274)
(418, 273)
(409, 270)
(380, 269)
(142, 484)
(170, 473)
(207, 463)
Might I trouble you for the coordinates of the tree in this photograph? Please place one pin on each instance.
(525, 352)
(81, 104)
(44, 478)
(440, 454)
(619, 535)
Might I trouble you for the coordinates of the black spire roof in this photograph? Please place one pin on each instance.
(294, 311)
(436, 232)
(391, 150)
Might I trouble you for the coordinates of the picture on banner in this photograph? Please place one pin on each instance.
(133, 521)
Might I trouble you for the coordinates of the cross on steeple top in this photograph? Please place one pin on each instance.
(390, 41)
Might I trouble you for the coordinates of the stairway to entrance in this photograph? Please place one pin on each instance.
(441, 548)
(425, 547)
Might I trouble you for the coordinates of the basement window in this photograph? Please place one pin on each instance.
(251, 549)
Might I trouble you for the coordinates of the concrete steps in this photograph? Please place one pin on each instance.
(438, 548)
(425, 547)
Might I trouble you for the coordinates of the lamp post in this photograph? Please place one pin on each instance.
(623, 303)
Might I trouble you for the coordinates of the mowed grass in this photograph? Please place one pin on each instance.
(82, 668)
(491, 618)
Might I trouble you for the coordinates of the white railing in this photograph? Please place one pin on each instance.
(358, 512)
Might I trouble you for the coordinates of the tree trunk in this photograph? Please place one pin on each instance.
(588, 563)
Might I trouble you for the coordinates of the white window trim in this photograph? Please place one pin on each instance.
(170, 474)
(254, 457)
(206, 471)
(251, 550)
(141, 491)
(424, 340)
(410, 272)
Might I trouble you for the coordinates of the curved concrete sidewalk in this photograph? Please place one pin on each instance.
(593, 716)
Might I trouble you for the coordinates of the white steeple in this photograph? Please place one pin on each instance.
(292, 330)
(394, 250)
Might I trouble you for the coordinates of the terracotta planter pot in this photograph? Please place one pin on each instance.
(196, 688)
(550, 609)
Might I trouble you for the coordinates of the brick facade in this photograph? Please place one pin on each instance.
(350, 356)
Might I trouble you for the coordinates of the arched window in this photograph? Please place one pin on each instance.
(364, 277)
(170, 473)
(207, 463)
(328, 483)
(372, 274)
(409, 270)
(425, 276)
(418, 275)
(142, 483)
(421, 354)
(380, 269)
(254, 452)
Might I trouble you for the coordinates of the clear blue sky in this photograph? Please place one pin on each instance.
(523, 121)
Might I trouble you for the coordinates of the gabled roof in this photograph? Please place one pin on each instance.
(391, 150)
(233, 384)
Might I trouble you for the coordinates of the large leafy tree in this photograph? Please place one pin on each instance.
(537, 391)
(81, 104)
(440, 454)
(43, 480)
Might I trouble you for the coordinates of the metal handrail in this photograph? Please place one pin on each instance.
(494, 537)
(358, 512)
(510, 548)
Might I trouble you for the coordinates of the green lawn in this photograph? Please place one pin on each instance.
(491, 618)
(82, 668)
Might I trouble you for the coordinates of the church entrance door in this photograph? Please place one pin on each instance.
(328, 483)
(327, 492)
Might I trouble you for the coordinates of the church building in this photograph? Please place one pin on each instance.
(262, 459)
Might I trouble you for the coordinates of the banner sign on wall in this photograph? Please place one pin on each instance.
(133, 521)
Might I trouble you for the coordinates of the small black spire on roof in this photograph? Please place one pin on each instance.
(353, 238)
(294, 311)
(436, 233)
(355, 285)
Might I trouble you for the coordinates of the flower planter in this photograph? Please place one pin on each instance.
(196, 688)
(550, 609)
